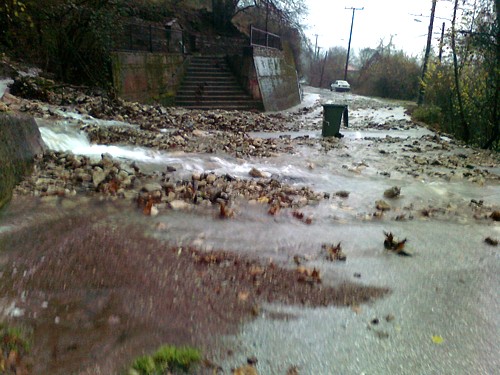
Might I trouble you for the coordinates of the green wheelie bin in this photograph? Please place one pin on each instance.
(332, 116)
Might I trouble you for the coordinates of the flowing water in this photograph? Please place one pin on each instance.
(449, 288)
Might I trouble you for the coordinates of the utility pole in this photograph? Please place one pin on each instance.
(323, 69)
(421, 92)
(350, 36)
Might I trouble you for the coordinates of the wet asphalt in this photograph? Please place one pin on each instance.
(442, 316)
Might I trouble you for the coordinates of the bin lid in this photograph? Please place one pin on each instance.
(334, 105)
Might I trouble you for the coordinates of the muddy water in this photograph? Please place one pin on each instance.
(449, 288)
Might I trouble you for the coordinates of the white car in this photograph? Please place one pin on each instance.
(340, 85)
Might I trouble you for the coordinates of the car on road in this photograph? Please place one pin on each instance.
(340, 85)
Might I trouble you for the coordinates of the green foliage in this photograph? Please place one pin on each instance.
(15, 338)
(14, 17)
(477, 120)
(146, 365)
(430, 115)
(71, 40)
(167, 357)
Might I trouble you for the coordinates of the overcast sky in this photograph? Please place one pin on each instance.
(378, 20)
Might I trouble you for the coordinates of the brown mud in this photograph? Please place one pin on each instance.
(96, 293)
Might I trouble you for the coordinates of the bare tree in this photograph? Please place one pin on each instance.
(426, 57)
(463, 121)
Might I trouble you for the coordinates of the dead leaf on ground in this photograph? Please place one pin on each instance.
(356, 309)
(274, 209)
(334, 252)
(292, 370)
(256, 270)
(436, 339)
(392, 244)
(308, 275)
(245, 370)
(225, 212)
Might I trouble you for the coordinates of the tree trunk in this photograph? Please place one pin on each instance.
(463, 121)
(495, 136)
(421, 92)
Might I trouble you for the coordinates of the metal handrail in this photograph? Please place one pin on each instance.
(264, 38)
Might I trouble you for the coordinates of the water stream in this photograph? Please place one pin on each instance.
(448, 246)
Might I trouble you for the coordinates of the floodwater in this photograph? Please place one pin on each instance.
(442, 315)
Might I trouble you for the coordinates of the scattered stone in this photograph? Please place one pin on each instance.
(382, 205)
(389, 318)
(491, 241)
(342, 194)
(151, 187)
(392, 192)
(495, 215)
(177, 205)
(98, 176)
(254, 172)
(252, 361)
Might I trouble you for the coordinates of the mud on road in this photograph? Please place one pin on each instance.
(215, 238)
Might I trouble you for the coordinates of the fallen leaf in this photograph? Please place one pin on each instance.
(243, 296)
(225, 212)
(391, 243)
(245, 370)
(147, 209)
(356, 309)
(437, 339)
(308, 275)
(256, 270)
(274, 209)
(334, 252)
(292, 370)
(263, 199)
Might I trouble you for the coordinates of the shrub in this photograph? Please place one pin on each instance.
(430, 114)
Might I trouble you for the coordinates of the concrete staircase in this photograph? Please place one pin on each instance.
(209, 84)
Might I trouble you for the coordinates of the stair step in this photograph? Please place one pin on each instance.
(209, 84)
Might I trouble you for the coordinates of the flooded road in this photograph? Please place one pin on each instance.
(441, 316)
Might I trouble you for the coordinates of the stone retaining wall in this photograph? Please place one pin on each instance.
(147, 77)
(20, 141)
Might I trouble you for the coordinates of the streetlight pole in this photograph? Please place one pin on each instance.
(350, 36)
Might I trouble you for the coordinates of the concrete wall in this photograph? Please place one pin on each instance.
(20, 141)
(277, 78)
(147, 77)
(268, 75)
